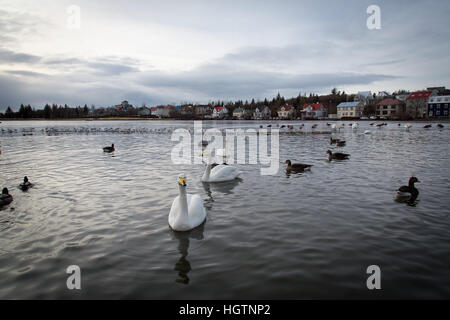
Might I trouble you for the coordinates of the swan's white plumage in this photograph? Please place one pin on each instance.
(221, 173)
(187, 211)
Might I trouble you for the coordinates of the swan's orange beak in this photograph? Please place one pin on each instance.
(182, 181)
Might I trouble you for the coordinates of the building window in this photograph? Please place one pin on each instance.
(385, 112)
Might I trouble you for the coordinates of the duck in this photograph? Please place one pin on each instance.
(219, 173)
(297, 167)
(187, 211)
(5, 197)
(409, 192)
(314, 126)
(337, 155)
(428, 126)
(333, 141)
(26, 184)
(440, 126)
(407, 126)
(367, 132)
(109, 149)
(341, 143)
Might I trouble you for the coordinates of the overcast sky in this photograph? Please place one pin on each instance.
(196, 51)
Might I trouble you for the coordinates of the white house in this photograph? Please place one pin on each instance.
(350, 109)
(286, 112)
(220, 112)
(364, 96)
(314, 111)
(262, 113)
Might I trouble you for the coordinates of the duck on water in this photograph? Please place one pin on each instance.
(296, 167)
(408, 193)
(337, 155)
(5, 197)
(109, 149)
(26, 184)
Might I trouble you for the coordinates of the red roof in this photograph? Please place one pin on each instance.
(390, 102)
(420, 95)
(314, 106)
(218, 109)
(286, 107)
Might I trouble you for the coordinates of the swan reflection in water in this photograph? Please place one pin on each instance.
(222, 187)
(183, 266)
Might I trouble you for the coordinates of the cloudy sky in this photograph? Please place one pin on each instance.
(195, 51)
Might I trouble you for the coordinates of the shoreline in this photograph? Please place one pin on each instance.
(434, 120)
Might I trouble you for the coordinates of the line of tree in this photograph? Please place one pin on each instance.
(65, 112)
(48, 112)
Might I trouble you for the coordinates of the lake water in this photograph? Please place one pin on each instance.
(297, 236)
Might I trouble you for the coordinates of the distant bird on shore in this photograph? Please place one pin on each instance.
(428, 126)
(440, 126)
(337, 155)
(408, 193)
(296, 167)
(109, 149)
(5, 197)
(26, 184)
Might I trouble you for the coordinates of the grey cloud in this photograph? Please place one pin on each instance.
(26, 73)
(8, 56)
(110, 68)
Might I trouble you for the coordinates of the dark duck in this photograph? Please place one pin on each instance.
(26, 184)
(109, 149)
(296, 167)
(337, 155)
(408, 193)
(5, 197)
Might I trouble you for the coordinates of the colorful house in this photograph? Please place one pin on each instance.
(220, 113)
(314, 111)
(390, 108)
(350, 109)
(286, 112)
(417, 103)
(438, 106)
(262, 112)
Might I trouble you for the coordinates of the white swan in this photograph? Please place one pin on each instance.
(220, 173)
(407, 126)
(187, 210)
(355, 126)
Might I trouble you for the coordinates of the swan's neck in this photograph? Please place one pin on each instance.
(207, 172)
(183, 216)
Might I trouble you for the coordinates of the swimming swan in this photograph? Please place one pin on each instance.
(187, 210)
(220, 173)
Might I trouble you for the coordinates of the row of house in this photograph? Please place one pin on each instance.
(433, 102)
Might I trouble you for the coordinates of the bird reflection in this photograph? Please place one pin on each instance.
(183, 266)
(222, 187)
